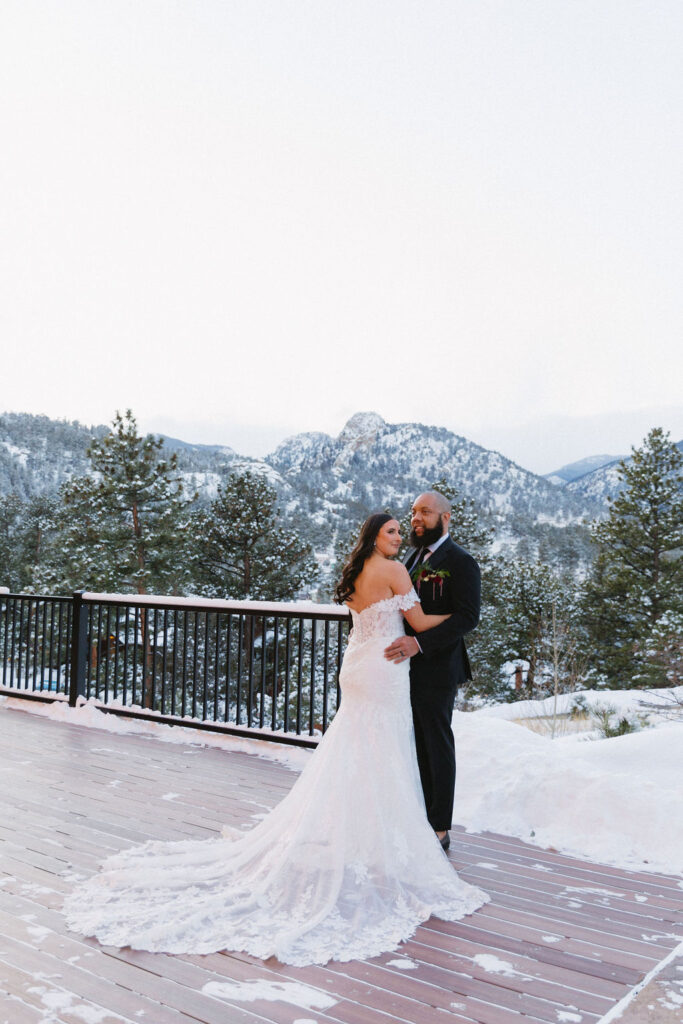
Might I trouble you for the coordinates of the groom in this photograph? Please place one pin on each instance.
(447, 580)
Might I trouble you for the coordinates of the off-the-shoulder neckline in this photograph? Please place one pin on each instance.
(384, 600)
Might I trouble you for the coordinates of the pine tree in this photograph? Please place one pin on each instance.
(11, 509)
(123, 528)
(244, 551)
(35, 536)
(637, 576)
(531, 616)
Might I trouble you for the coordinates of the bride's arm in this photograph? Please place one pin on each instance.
(402, 584)
(419, 621)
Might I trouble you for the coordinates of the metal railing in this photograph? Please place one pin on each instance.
(254, 668)
(35, 642)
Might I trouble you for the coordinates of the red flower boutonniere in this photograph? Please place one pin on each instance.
(423, 573)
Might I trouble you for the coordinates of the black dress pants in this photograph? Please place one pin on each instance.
(432, 714)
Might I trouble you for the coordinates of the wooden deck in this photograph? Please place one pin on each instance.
(561, 941)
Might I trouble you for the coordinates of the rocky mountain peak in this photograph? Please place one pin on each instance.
(361, 429)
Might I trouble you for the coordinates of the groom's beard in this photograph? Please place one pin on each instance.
(428, 537)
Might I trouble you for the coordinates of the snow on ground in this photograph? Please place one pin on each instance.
(89, 714)
(615, 801)
(625, 702)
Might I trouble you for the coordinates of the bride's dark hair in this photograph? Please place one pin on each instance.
(362, 550)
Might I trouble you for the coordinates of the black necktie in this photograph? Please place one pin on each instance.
(419, 557)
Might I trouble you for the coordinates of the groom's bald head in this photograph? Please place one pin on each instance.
(436, 500)
(429, 518)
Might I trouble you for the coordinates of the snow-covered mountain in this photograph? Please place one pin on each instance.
(373, 464)
(328, 484)
(38, 454)
(573, 470)
(601, 483)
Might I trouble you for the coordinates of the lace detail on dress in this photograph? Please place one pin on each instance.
(344, 868)
(382, 618)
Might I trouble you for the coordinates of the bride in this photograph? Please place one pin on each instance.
(347, 865)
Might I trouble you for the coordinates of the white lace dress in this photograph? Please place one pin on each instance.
(344, 868)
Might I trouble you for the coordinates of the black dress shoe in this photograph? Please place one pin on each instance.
(445, 842)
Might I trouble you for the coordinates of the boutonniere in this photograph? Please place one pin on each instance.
(423, 573)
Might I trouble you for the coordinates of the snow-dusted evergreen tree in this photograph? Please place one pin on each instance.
(124, 528)
(244, 550)
(637, 577)
(530, 616)
(11, 509)
(25, 528)
(664, 646)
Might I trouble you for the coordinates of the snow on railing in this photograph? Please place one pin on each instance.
(223, 664)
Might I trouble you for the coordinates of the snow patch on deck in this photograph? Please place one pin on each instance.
(273, 991)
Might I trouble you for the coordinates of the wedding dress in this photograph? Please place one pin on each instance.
(344, 868)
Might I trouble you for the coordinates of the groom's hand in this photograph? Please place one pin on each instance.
(404, 647)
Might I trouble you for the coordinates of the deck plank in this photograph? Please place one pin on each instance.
(560, 935)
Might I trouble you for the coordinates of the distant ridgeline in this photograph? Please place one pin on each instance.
(328, 485)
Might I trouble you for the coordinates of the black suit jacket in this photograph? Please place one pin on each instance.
(444, 660)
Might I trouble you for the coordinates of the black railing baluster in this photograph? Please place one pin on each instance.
(262, 683)
(195, 650)
(5, 629)
(288, 655)
(25, 638)
(115, 688)
(153, 657)
(42, 645)
(96, 654)
(12, 654)
(126, 633)
(205, 678)
(21, 641)
(240, 637)
(184, 688)
(174, 659)
(34, 618)
(68, 634)
(136, 635)
(250, 705)
(311, 708)
(107, 653)
(59, 646)
(228, 663)
(49, 643)
(164, 648)
(216, 668)
(80, 649)
(276, 631)
(326, 668)
(299, 677)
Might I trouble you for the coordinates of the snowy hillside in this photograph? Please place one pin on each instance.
(597, 484)
(328, 485)
(38, 454)
(574, 470)
(373, 464)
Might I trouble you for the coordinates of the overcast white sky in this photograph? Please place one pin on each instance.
(249, 218)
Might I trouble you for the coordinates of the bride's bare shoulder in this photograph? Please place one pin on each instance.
(398, 577)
